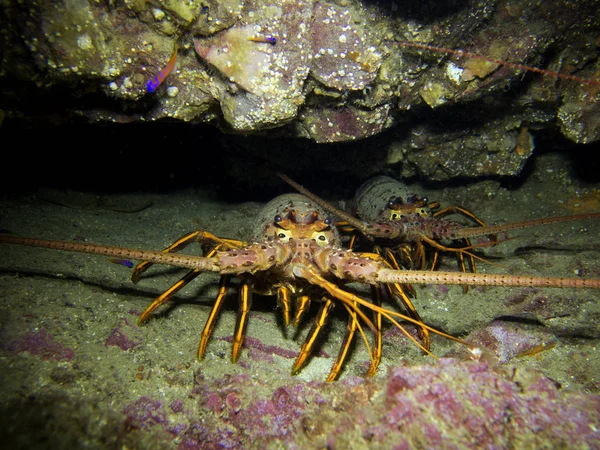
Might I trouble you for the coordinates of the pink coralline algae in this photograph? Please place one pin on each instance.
(274, 417)
(452, 404)
(41, 343)
(256, 344)
(118, 338)
(342, 124)
(147, 413)
(470, 406)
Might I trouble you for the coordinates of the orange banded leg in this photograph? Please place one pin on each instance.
(424, 334)
(162, 298)
(242, 321)
(463, 266)
(283, 300)
(195, 236)
(302, 305)
(465, 213)
(397, 290)
(212, 317)
(472, 267)
(377, 336)
(309, 343)
(460, 252)
(458, 210)
(346, 341)
(390, 257)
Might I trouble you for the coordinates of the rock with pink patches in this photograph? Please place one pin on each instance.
(342, 124)
(451, 404)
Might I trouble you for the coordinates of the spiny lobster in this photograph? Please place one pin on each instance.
(295, 252)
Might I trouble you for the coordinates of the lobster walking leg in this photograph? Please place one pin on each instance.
(203, 237)
(242, 321)
(311, 338)
(162, 298)
(212, 317)
(346, 341)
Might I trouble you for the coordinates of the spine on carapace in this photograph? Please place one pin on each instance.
(253, 258)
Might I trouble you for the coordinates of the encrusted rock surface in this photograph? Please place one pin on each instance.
(329, 71)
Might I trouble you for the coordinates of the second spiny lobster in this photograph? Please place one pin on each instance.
(404, 226)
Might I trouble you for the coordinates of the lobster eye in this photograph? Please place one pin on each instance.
(277, 218)
(328, 221)
(395, 203)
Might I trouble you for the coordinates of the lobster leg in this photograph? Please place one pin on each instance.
(309, 343)
(283, 300)
(398, 290)
(203, 237)
(212, 317)
(302, 305)
(348, 335)
(458, 210)
(162, 298)
(242, 321)
(350, 300)
(377, 337)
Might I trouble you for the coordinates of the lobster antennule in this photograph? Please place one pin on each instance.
(495, 229)
(475, 279)
(171, 259)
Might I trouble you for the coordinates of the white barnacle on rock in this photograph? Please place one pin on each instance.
(454, 72)
(158, 14)
(84, 42)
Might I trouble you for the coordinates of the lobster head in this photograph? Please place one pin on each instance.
(293, 216)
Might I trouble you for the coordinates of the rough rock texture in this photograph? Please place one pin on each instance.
(329, 71)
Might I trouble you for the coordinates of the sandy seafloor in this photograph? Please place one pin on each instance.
(77, 372)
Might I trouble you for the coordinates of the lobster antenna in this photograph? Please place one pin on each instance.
(516, 66)
(495, 229)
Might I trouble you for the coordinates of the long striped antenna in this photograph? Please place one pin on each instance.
(516, 66)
